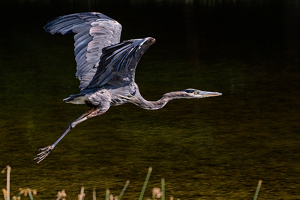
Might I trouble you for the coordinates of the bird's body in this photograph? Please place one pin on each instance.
(106, 68)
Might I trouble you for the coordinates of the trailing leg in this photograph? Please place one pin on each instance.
(91, 112)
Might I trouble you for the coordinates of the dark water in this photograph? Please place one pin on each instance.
(214, 148)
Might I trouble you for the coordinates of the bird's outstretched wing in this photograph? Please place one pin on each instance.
(94, 31)
(118, 62)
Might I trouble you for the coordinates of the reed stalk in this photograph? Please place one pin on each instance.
(6, 192)
(81, 195)
(30, 194)
(107, 194)
(163, 189)
(145, 183)
(257, 189)
(60, 194)
(15, 197)
(94, 193)
(8, 182)
(123, 190)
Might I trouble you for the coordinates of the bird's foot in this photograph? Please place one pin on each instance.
(43, 154)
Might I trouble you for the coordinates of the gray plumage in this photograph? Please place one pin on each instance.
(93, 32)
(106, 68)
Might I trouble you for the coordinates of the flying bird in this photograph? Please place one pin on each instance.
(106, 68)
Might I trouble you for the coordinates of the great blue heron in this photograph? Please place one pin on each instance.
(106, 68)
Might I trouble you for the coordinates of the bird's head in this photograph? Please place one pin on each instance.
(193, 93)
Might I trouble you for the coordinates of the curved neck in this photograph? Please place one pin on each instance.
(154, 105)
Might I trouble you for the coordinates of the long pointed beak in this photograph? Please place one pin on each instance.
(209, 94)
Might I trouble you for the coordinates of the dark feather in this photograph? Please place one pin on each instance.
(118, 62)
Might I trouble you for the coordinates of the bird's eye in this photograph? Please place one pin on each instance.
(196, 92)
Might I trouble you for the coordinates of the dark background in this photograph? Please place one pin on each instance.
(214, 148)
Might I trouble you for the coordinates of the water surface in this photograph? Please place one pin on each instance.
(213, 148)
